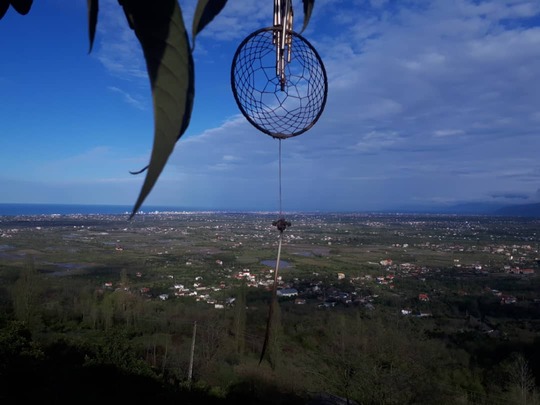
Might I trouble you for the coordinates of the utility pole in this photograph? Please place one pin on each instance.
(190, 373)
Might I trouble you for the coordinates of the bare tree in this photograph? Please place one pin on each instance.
(522, 386)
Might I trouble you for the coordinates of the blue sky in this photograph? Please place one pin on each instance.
(429, 102)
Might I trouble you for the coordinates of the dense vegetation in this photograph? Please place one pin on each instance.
(64, 337)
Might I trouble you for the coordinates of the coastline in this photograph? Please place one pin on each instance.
(7, 209)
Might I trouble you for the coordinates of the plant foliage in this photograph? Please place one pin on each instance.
(20, 6)
(159, 27)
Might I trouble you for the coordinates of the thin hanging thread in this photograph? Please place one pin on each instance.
(274, 289)
(280, 207)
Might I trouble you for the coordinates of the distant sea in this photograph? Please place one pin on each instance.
(523, 210)
(69, 209)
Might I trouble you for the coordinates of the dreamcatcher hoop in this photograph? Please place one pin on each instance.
(279, 83)
(280, 99)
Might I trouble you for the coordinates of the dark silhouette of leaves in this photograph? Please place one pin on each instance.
(22, 6)
(4, 5)
(93, 8)
(204, 14)
(159, 27)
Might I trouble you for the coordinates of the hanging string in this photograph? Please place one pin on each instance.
(273, 303)
(281, 224)
(280, 207)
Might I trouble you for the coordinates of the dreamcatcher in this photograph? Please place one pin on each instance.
(279, 83)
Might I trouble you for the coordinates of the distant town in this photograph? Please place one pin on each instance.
(451, 246)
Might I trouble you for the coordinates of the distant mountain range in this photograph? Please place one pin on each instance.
(516, 210)
(521, 210)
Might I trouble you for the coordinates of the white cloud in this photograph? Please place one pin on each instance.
(448, 132)
(116, 45)
(425, 99)
(377, 141)
(428, 101)
(128, 98)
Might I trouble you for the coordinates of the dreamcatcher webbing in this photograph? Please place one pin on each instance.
(279, 84)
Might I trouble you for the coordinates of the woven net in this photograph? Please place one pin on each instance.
(280, 110)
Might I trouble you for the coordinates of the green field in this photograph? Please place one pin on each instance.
(101, 294)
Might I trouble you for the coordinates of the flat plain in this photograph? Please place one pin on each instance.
(469, 283)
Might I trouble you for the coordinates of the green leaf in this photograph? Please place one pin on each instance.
(308, 9)
(22, 6)
(204, 14)
(159, 27)
(93, 8)
(4, 5)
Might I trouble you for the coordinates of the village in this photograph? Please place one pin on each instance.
(332, 261)
(488, 259)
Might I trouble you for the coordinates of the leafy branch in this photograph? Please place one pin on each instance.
(159, 27)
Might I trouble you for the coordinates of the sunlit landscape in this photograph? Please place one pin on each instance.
(436, 306)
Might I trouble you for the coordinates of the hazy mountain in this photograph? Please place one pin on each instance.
(521, 210)
(457, 209)
(477, 208)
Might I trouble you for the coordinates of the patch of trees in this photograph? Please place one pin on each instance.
(86, 345)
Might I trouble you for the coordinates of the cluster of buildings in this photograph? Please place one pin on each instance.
(517, 256)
